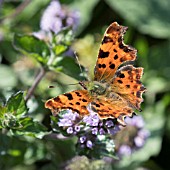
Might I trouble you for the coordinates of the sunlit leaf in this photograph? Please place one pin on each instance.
(32, 46)
(16, 104)
(30, 127)
(62, 40)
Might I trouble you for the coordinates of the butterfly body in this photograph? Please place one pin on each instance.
(116, 90)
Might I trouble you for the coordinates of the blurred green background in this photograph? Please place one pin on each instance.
(149, 32)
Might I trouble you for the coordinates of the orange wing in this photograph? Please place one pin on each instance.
(76, 100)
(111, 108)
(113, 52)
(126, 83)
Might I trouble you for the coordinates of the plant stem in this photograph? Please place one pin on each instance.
(35, 83)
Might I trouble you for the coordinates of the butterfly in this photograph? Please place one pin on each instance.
(116, 90)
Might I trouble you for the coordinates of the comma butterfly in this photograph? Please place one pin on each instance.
(116, 89)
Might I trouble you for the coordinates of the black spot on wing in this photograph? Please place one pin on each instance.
(122, 59)
(103, 54)
(116, 57)
(83, 107)
(69, 96)
(84, 100)
(120, 81)
(135, 86)
(57, 99)
(78, 94)
(106, 40)
(95, 104)
(126, 49)
(121, 46)
(128, 86)
(102, 65)
(49, 103)
(121, 75)
(112, 66)
(115, 50)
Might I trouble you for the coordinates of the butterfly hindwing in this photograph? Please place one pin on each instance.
(76, 100)
(111, 108)
(127, 84)
(112, 53)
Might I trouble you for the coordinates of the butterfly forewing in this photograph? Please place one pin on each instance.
(76, 100)
(112, 53)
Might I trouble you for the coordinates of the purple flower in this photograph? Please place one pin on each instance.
(82, 139)
(65, 122)
(68, 119)
(135, 134)
(141, 137)
(139, 142)
(143, 133)
(55, 17)
(102, 131)
(77, 128)
(109, 123)
(135, 121)
(50, 20)
(124, 150)
(92, 119)
(94, 131)
(69, 130)
(113, 130)
(89, 144)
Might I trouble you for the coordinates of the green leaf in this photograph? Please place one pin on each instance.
(16, 104)
(30, 127)
(159, 59)
(3, 110)
(55, 127)
(62, 40)
(65, 36)
(150, 17)
(20, 151)
(11, 149)
(68, 66)
(58, 49)
(32, 46)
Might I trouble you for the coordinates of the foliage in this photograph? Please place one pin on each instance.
(34, 58)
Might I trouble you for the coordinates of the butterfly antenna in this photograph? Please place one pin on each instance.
(73, 84)
(83, 73)
(78, 61)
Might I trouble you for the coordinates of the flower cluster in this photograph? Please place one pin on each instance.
(55, 18)
(92, 132)
(131, 137)
(95, 135)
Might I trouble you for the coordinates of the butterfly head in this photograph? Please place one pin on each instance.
(94, 87)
